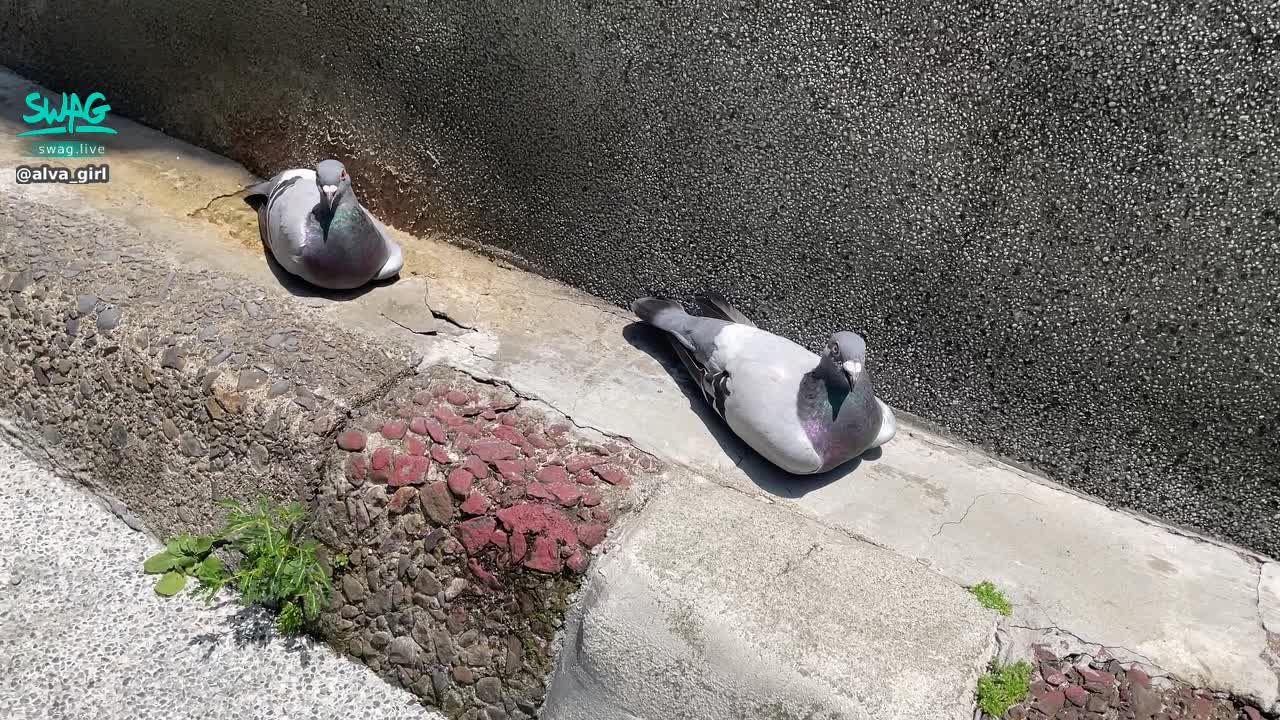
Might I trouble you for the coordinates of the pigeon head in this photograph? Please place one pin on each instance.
(848, 352)
(333, 181)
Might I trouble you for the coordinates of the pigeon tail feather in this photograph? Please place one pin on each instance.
(658, 312)
(395, 261)
(262, 188)
(256, 196)
(715, 305)
(670, 316)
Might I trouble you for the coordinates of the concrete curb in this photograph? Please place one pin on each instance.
(716, 606)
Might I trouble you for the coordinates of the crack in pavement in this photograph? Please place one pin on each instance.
(445, 316)
(438, 315)
(456, 341)
(793, 564)
(406, 327)
(1257, 598)
(974, 502)
(1055, 628)
(224, 196)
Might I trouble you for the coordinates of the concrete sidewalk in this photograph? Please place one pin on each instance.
(1079, 573)
(83, 635)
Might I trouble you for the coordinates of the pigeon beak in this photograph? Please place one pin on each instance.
(329, 191)
(853, 369)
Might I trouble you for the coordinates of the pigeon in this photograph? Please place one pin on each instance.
(317, 229)
(803, 412)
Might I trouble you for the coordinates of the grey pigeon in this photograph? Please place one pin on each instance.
(805, 413)
(317, 229)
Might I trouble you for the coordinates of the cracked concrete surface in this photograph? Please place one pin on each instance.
(968, 510)
(1077, 571)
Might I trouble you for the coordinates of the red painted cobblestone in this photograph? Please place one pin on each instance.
(509, 434)
(611, 474)
(476, 466)
(474, 534)
(475, 504)
(409, 470)
(582, 462)
(460, 482)
(552, 474)
(351, 440)
(418, 425)
(414, 446)
(460, 470)
(446, 416)
(394, 430)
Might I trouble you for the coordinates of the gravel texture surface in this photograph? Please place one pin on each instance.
(84, 637)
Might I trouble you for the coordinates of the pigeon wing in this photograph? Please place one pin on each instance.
(293, 231)
(393, 259)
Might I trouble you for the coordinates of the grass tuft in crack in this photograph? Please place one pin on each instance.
(278, 568)
(990, 597)
(1003, 686)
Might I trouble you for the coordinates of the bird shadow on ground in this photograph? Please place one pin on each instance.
(298, 287)
(764, 474)
(252, 626)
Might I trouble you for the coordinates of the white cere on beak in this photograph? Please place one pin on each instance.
(329, 189)
(853, 367)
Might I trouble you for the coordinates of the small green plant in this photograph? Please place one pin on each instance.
(991, 598)
(279, 569)
(1003, 686)
(183, 556)
(340, 561)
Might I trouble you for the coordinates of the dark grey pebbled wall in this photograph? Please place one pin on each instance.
(1056, 223)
